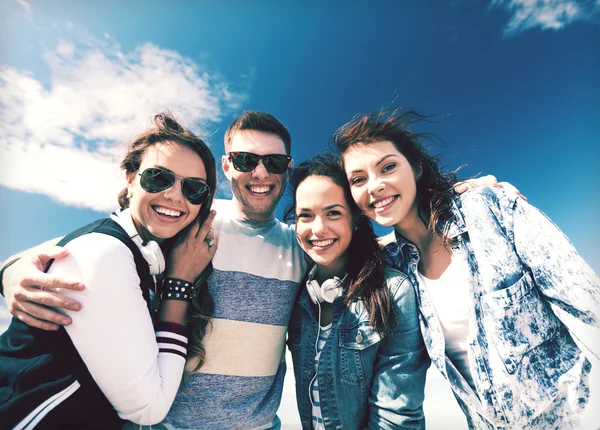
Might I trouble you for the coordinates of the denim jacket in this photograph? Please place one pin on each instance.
(528, 285)
(365, 380)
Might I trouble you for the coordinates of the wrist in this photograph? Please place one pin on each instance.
(176, 289)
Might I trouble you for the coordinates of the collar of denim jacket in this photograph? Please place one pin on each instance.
(456, 226)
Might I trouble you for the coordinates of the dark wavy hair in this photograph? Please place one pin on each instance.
(434, 186)
(365, 266)
(166, 129)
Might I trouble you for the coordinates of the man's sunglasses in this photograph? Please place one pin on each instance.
(247, 162)
(155, 180)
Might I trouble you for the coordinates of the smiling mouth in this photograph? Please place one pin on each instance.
(260, 190)
(167, 212)
(321, 243)
(382, 204)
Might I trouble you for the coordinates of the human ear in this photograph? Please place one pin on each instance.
(226, 167)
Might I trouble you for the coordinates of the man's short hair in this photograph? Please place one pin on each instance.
(260, 121)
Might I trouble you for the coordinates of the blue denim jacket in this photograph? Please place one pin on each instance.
(526, 280)
(364, 380)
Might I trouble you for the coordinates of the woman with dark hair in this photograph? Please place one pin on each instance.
(121, 359)
(359, 358)
(502, 292)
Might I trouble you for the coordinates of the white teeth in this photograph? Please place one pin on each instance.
(260, 189)
(168, 212)
(325, 242)
(383, 202)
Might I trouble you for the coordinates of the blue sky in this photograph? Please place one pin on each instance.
(514, 83)
(519, 99)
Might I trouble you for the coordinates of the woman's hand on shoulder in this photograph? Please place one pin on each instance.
(193, 251)
(486, 181)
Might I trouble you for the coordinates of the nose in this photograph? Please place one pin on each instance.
(174, 192)
(319, 226)
(375, 185)
(260, 171)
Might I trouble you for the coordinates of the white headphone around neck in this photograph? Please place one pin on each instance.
(328, 291)
(152, 254)
(150, 251)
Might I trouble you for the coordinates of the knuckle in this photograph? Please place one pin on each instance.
(12, 309)
(19, 294)
(45, 300)
(26, 281)
(56, 318)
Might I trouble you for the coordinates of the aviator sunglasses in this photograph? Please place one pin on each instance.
(247, 161)
(156, 179)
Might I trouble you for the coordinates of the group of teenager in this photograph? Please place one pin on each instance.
(174, 311)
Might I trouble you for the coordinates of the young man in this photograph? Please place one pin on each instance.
(257, 269)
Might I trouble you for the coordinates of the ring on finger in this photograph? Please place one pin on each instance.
(210, 242)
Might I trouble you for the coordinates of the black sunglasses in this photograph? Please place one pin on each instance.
(247, 161)
(156, 179)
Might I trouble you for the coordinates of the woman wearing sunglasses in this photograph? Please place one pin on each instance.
(118, 360)
(359, 357)
(502, 292)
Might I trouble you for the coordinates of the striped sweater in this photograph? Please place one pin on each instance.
(257, 270)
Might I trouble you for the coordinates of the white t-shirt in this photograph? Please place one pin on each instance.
(450, 297)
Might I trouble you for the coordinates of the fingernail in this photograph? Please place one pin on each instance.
(75, 307)
(461, 188)
(65, 322)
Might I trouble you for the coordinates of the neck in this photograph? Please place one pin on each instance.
(414, 230)
(143, 232)
(240, 211)
(337, 268)
(435, 257)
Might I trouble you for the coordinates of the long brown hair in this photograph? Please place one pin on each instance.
(364, 266)
(166, 129)
(434, 187)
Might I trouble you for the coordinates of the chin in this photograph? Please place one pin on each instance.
(162, 234)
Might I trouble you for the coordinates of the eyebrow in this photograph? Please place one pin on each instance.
(385, 157)
(196, 178)
(326, 208)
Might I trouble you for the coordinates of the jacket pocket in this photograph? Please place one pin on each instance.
(358, 350)
(519, 319)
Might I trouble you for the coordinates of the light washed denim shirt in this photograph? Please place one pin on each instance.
(526, 280)
(365, 381)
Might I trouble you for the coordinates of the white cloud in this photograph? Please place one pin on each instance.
(63, 139)
(27, 8)
(545, 14)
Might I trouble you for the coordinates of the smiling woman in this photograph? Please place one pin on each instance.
(359, 358)
(73, 377)
(502, 293)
